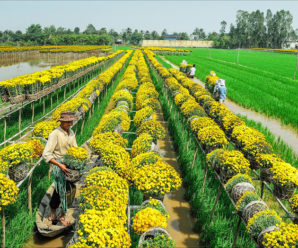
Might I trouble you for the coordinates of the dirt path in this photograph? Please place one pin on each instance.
(180, 224)
(286, 133)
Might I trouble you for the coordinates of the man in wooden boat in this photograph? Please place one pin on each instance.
(60, 140)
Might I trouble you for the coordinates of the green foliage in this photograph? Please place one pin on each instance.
(159, 240)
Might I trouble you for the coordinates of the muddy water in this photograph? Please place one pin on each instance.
(14, 66)
(180, 224)
(286, 133)
(39, 241)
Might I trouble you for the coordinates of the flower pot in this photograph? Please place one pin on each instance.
(17, 99)
(73, 176)
(118, 129)
(18, 172)
(224, 177)
(239, 189)
(261, 237)
(150, 234)
(252, 208)
(146, 201)
(283, 192)
(266, 175)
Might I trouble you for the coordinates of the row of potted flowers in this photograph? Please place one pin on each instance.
(105, 197)
(251, 142)
(228, 163)
(39, 83)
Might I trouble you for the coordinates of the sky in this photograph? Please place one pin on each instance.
(175, 16)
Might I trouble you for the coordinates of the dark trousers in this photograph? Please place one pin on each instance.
(55, 201)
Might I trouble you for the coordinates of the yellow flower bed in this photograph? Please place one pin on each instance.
(141, 144)
(268, 160)
(212, 137)
(229, 163)
(261, 220)
(109, 122)
(78, 153)
(201, 123)
(44, 128)
(122, 95)
(156, 179)
(283, 236)
(284, 174)
(154, 128)
(294, 203)
(8, 191)
(107, 138)
(148, 218)
(244, 135)
(230, 121)
(144, 159)
(142, 115)
(16, 153)
(37, 147)
(191, 108)
(105, 177)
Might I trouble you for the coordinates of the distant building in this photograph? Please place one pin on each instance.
(291, 44)
(118, 41)
(194, 37)
(171, 36)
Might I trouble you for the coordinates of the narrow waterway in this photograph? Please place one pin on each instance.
(286, 133)
(180, 224)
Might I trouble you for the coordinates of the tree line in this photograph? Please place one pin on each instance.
(253, 29)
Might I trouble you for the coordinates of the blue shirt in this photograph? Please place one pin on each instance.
(222, 91)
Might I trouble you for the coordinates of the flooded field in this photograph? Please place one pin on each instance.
(13, 66)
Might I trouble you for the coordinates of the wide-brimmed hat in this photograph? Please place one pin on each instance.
(67, 116)
(222, 82)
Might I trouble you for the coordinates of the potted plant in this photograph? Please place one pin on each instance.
(239, 178)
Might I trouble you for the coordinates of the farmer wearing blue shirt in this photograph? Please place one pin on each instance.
(221, 89)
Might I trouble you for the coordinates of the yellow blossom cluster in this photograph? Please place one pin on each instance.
(283, 236)
(284, 175)
(37, 147)
(153, 128)
(211, 80)
(77, 153)
(192, 108)
(148, 218)
(8, 191)
(141, 144)
(15, 154)
(261, 220)
(142, 115)
(156, 179)
(239, 178)
(200, 123)
(294, 203)
(245, 199)
(212, 138)
(228, 163)
(144, 159)
(44, 128)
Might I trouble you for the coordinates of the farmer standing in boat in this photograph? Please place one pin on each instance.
(60, 140)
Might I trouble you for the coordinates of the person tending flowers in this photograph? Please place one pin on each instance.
(59, 142)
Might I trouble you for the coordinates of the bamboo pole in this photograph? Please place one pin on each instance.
(20, 119)
(205, 176)
(57, 97)
(5, 125)
(236, 233)
(32, 107)
(3, 228)
(51, 100)
(82, 127)
(194, 157)
(30, 194)
(215, 203)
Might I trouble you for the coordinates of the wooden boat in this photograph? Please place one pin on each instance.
(46, 227)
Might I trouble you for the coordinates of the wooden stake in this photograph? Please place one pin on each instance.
(64, 92)
(3, 228)
(30, 194)
(215, 203)
(57, 97)
(51, 101)
(32, 107)
(205, 176)
(236, 233)
(5, 124)
(43, 106)
(82, 127)
(262, 190)
(20, 119)
(194, 157)
(188, 138)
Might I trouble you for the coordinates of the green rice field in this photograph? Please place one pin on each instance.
(262, 81)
